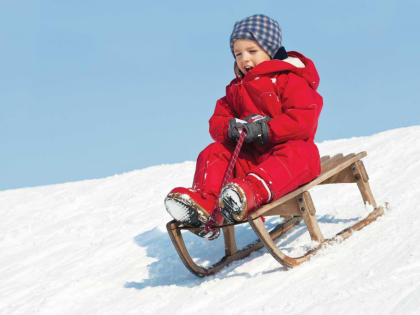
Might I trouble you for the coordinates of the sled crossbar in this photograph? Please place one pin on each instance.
(293, 208)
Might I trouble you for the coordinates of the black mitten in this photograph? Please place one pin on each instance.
(257, 132)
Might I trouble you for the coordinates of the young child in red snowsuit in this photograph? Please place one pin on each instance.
(274, 99)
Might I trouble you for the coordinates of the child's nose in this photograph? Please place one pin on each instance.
(245, 58)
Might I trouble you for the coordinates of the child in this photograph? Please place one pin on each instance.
(274, 99)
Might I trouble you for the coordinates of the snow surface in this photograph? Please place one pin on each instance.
(101, 247)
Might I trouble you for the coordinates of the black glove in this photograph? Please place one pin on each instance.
(234, 126)
(257, 132)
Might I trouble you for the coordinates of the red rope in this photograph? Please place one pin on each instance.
(216, 218)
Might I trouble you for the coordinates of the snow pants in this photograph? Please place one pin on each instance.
(284, 167)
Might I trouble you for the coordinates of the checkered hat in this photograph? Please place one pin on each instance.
(260, 28)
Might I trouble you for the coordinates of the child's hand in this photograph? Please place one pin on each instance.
(235, 125)
(257, 132)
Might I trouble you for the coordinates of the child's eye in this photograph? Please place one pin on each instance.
(253, 51)
(238, 54)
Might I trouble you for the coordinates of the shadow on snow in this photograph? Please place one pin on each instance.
(168, 268)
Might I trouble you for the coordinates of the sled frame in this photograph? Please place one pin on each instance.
(293, 207)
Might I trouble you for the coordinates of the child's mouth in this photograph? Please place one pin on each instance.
(248, 68)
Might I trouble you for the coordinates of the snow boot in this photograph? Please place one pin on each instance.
(189, 206)
(242, 195)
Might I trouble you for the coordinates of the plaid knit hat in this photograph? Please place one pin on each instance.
(265, 31)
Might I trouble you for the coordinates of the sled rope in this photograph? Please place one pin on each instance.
(216, 218)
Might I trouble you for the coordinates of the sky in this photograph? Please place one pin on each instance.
(90, 89)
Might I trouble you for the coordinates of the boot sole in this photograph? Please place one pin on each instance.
(185, 210)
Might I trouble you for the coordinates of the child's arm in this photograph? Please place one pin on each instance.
(299, 119)
(219, 122)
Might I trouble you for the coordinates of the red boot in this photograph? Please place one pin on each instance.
(242, 195)
(189, 206)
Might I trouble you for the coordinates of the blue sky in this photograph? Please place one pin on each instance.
(90, 89)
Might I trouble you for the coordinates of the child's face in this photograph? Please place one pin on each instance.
(248, 54)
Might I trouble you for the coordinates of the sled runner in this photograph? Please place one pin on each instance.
(293, 207)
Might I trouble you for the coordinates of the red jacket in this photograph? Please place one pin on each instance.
(286, 93)
(277, 89)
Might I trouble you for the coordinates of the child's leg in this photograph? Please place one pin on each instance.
(194, 205)
(288, 166)
(279, 171)
(212, 164)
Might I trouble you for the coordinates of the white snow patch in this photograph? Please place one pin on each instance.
(101, 246)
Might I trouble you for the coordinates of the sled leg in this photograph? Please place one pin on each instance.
(307, 209)
(229, 238)
(362, 181)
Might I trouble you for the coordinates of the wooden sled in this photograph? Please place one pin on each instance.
(294, 207)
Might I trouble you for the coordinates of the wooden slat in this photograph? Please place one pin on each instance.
(345, 176)
(332, 162)
(336, 160)
(288, 208)
(325, 158)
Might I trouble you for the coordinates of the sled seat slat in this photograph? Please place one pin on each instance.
(324, 158)
(331, 162)
(335, 161)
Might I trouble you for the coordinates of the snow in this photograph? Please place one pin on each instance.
(101, 247)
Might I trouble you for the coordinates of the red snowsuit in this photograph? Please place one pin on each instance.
(287, 94)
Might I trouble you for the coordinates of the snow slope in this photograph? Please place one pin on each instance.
(100, 247)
